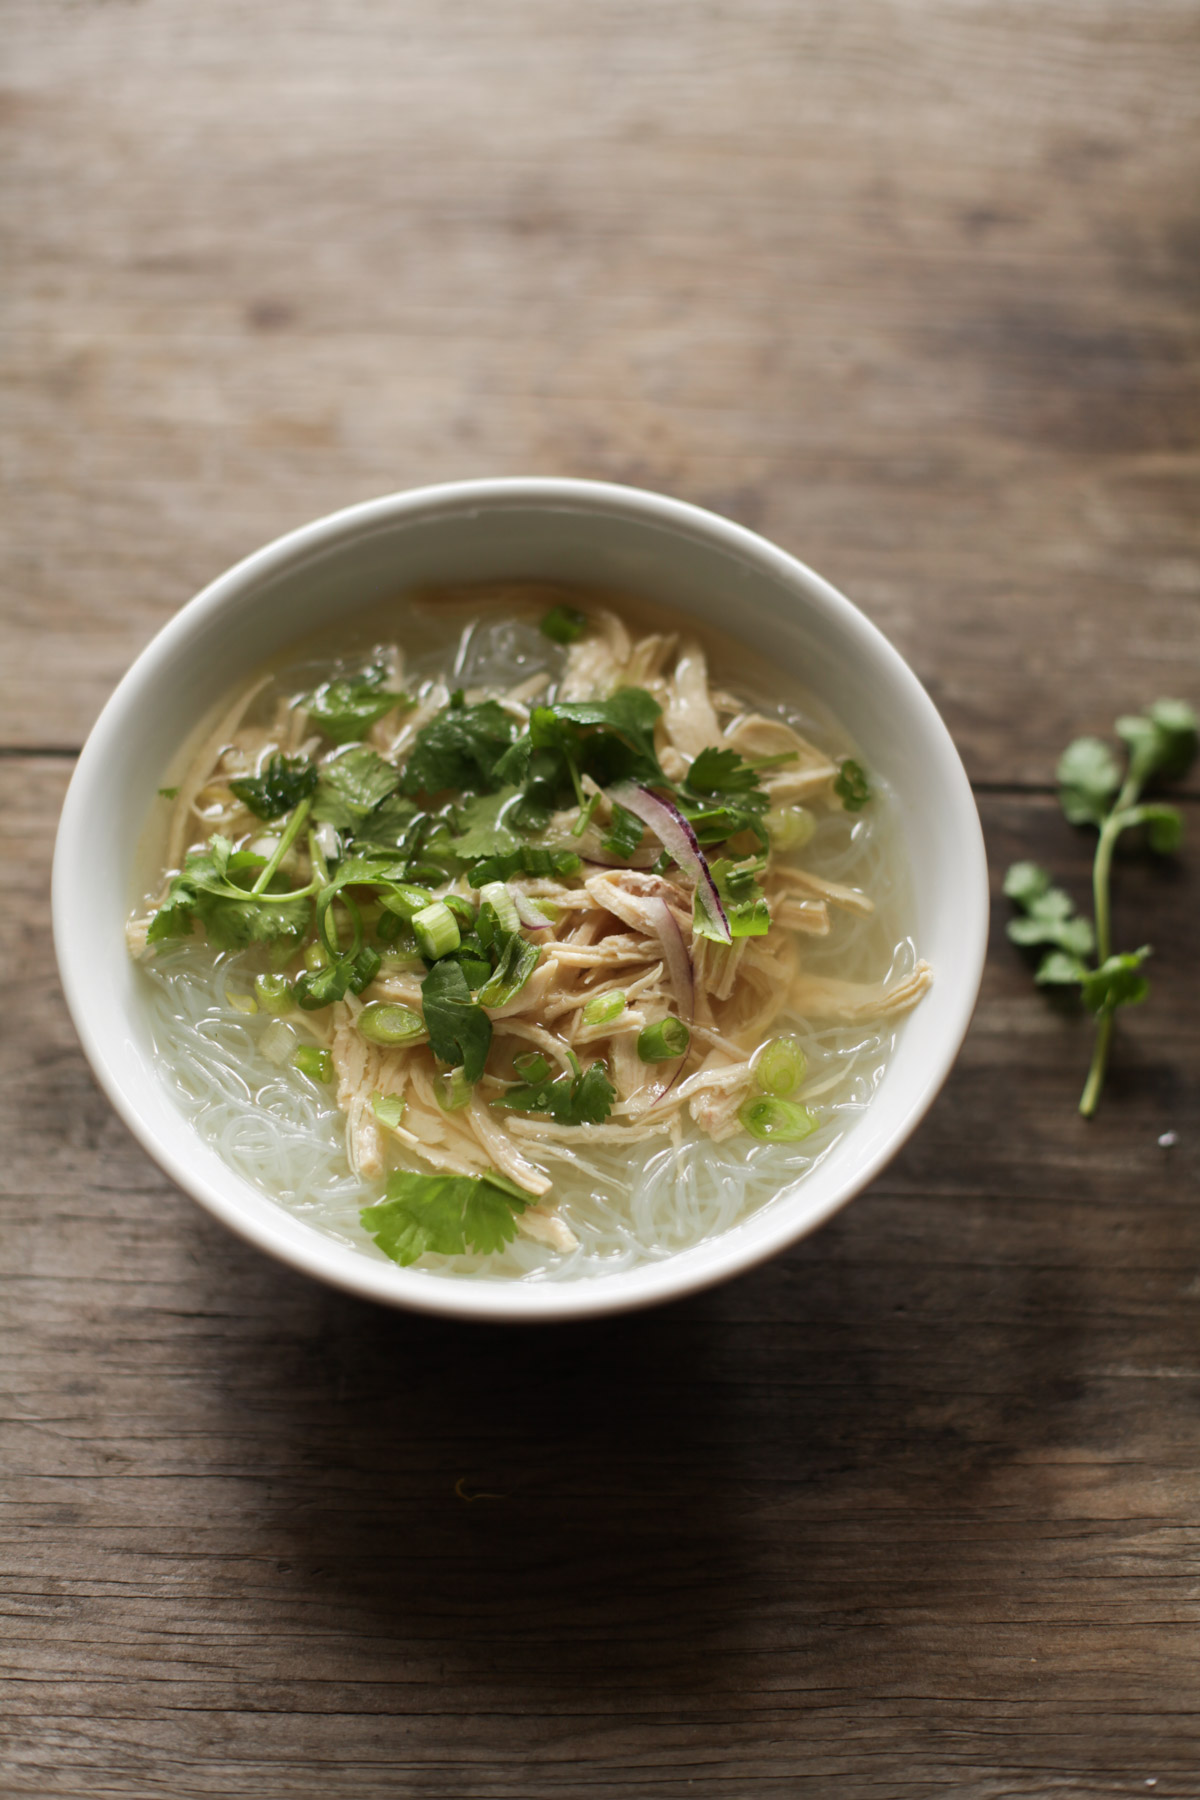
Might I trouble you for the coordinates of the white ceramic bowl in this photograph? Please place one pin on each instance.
(486, 530)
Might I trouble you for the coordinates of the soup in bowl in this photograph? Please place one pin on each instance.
(520, 899)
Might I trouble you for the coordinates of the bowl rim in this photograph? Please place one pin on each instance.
(768, 1231)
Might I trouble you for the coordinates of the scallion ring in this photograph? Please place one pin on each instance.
(663, 1041)
(780, 1067)
(777, 1121)
(389, 1023)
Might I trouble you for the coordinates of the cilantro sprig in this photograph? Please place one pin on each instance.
(231, 893)
(609, 740)
(722, 795)
(445, 1214)
(1160, 744)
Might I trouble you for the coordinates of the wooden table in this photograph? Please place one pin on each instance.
(912, 289)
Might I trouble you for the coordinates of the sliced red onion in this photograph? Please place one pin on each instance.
(529, 913)
(675, 955)
(665, 1089)
(679, 841)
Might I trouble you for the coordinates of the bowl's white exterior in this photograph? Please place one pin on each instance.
(485, 530)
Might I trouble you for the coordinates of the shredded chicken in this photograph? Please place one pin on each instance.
(854, 1002)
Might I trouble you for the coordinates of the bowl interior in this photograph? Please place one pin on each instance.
(572, 532)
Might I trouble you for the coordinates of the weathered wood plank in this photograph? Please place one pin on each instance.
(913, 1509)
(910, 288)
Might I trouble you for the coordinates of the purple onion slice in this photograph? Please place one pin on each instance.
(675, 955)
(679, 841)
(529, 913)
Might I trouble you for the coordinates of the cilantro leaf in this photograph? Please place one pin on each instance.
(460, 1032)
(391, 825)
(1164, 826)
(628, 717)
(460, 748)
(563, 625)
(351, 785)
(1025, 881)
(1088, 777)
(1060, 969)
(284, 782)
(723, 772)
(444, 1214)
(233, 924)
(208, 891)
(1049, 916)
(1117, 982)
(851, 786)
(1161, 740)
(346, 709)
(584, 1098)
(716, 824)
(610, 740)
(483, 828)
(721, 797)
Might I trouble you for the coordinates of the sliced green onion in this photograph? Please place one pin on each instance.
(518, 960)
(452, 1091)
(789, 827)
(387, 1022)
(316, 957)
(532, 1066)
(404, 899)
(437, 930)
(496, 895)
(604, 1008)
(274, 993)
(778, 1121)
(780, 1067)
(388, 1109)
(563, 625)
(316, 1064)
(243, 1003)
(664, 1041)
(461, 908)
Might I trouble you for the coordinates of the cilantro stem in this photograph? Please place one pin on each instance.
(291, 832)
(1090, 1098)
(580, 796)
(316, 857)
(1110, 831)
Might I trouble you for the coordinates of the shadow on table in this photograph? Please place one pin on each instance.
(632, 1508)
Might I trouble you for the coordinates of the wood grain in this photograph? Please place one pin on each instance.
(915, 1509)
(911, 288)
